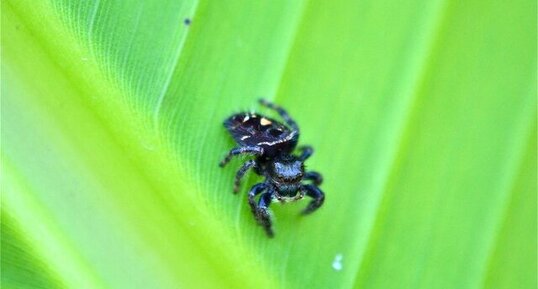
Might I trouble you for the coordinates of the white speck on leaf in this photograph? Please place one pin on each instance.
(337, 263)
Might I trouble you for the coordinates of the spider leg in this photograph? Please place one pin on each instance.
(282, 112)
(241, 172)
(252, 150)
(307, 151)
(254, 191)
(316, 194)
(262, 213)
(315, 177)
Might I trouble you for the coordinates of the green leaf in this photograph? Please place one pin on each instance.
(422, 115)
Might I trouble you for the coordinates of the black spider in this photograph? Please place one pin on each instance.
(272, 144)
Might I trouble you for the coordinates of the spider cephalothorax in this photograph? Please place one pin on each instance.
(272, 144)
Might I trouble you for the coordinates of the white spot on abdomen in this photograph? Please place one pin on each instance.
(264, 121)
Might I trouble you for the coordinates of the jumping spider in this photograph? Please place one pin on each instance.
(272, 144)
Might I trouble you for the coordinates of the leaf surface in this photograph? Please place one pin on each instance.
(422, 116)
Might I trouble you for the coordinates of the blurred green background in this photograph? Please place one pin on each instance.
(422, 114)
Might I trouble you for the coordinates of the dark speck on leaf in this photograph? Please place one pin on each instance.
(187, 21)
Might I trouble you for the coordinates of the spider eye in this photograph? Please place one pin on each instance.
(275, 132)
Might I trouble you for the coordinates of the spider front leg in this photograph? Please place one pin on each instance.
(315, 177)
(316, 194)
(241, 172)
(254, 191)
(252, 150)
(261, 210)
(262, 213)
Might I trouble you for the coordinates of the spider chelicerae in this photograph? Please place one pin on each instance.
(272, 145)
